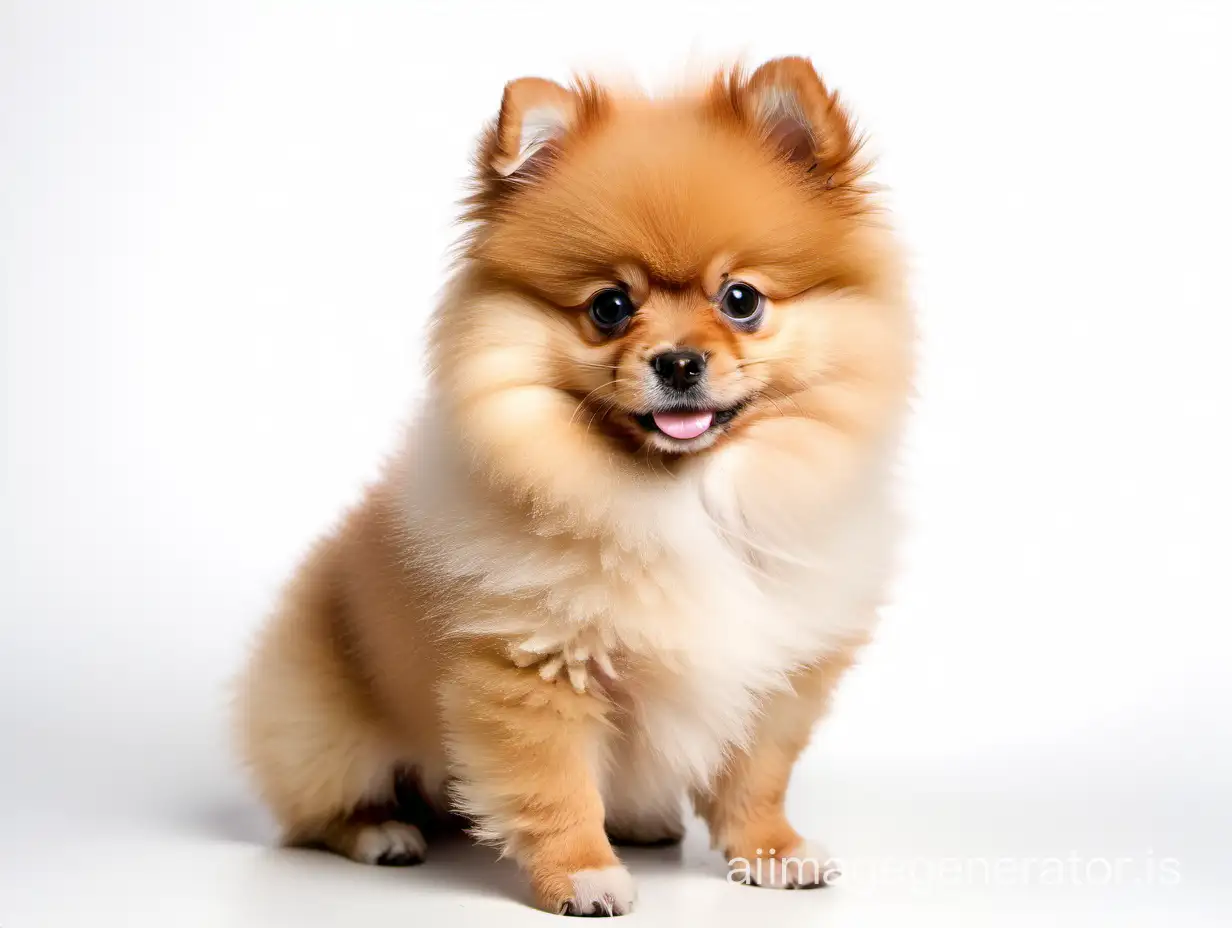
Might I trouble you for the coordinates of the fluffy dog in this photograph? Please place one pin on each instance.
(644, 519)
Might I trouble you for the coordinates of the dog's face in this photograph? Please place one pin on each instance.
(661, 275)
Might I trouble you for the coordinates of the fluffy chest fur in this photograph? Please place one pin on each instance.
(703, 610)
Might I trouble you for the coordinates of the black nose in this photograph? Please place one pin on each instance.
(679, 369)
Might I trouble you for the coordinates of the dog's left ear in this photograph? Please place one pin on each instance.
(791, 107)
(534, 114)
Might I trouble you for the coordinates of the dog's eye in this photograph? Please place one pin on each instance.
(742, 304)
(610, 308)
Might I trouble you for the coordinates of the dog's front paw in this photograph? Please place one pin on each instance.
(605, 892)
(806, 866)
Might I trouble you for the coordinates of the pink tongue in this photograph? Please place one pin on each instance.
(683, 425)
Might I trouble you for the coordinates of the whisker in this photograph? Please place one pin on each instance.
(603, 386)
(777, 407)
(653, 461)
(767, 386)
(745, 362)
(789, 398)
(593, 366)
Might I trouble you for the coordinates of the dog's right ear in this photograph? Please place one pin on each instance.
(534, 115)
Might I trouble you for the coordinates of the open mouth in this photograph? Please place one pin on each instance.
(686, 424)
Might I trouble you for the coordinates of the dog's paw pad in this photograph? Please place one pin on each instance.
(390, 844)
(600, 893)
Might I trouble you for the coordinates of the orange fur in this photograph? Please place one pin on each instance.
(554, 620)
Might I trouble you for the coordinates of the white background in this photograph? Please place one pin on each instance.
(221, 228)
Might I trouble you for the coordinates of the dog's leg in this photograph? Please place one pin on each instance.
(744, 805)
(526, 751)
(321, 756)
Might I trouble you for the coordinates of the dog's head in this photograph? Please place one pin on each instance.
(646, 280)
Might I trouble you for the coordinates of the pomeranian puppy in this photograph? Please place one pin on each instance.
(643, 521)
